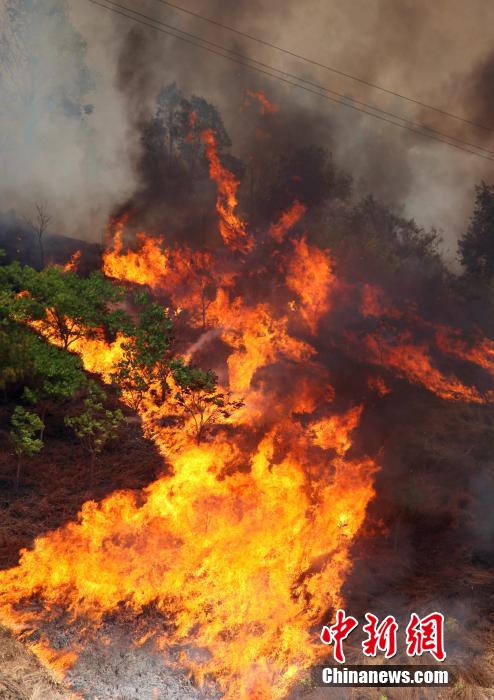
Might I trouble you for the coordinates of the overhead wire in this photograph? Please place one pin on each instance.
(266, 69)
(337, 71)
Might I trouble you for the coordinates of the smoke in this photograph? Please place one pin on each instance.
(82, 80)
(435, 54)
(62, 126)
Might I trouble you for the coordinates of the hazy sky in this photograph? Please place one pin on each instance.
(440, 53)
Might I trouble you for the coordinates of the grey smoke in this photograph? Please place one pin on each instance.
(73, 143)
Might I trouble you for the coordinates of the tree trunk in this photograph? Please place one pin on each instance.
(41, 251)
(91, 469)
(203, 313)
(18, 472)
(42, 431)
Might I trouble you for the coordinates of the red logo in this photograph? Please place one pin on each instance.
(426, 634)
(337, 633)
(382, 636)
(422, 635)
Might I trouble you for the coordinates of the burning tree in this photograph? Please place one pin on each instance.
(65, 307)
(276, 506)
(147, 352)
(201, 399)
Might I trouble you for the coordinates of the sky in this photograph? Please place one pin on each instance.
(68, 118)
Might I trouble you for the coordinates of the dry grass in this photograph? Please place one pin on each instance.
(55, 483)
(21, 675)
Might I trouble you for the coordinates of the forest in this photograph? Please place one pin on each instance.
(263, 395)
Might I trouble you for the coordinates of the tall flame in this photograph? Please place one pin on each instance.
(245, 546)
(232, 228)
(242, 548)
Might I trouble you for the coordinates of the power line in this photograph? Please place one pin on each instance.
(152, 23)
(244, 57)
(288, 52)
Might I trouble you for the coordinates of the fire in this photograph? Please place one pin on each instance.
(333, 432)
(232, 561)
(100, 357)
(378, 385)
(257, 338)
(414, 363)
(146, 266)
(310, 275)
(267, 107)
(449, 341)
(287, 220)
(231, 226)
(245, 546)
(242, 548)
(58, 662)
(73, 263)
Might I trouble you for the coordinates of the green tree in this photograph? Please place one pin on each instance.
(476, 246)
(55, 375)
(25, 425)
(147, 357)
(66, 306)
(15, 338)
(199, 397)
(96, 425)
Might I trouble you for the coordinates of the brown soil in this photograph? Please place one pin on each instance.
(55, 483)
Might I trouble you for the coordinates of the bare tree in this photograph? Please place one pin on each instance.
(39, 224)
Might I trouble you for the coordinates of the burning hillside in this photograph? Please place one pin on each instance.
(239, 553)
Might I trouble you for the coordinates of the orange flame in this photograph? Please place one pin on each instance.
(243, 547)
(481, 353)
(414, 363)
(287, 220)
(246, 546)
(232, 228)
(310, 275)
(147, 266)
(267, 107)
(73, 263)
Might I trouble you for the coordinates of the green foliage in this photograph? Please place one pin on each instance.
(14, 356)
(54, 375)
(199, 397)
(147, 353)
(476, 246)
(67, 306)
(25, 425)
(393, 238)
(95, 426)
(13, 306)
(47, 373)
(57, 375)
